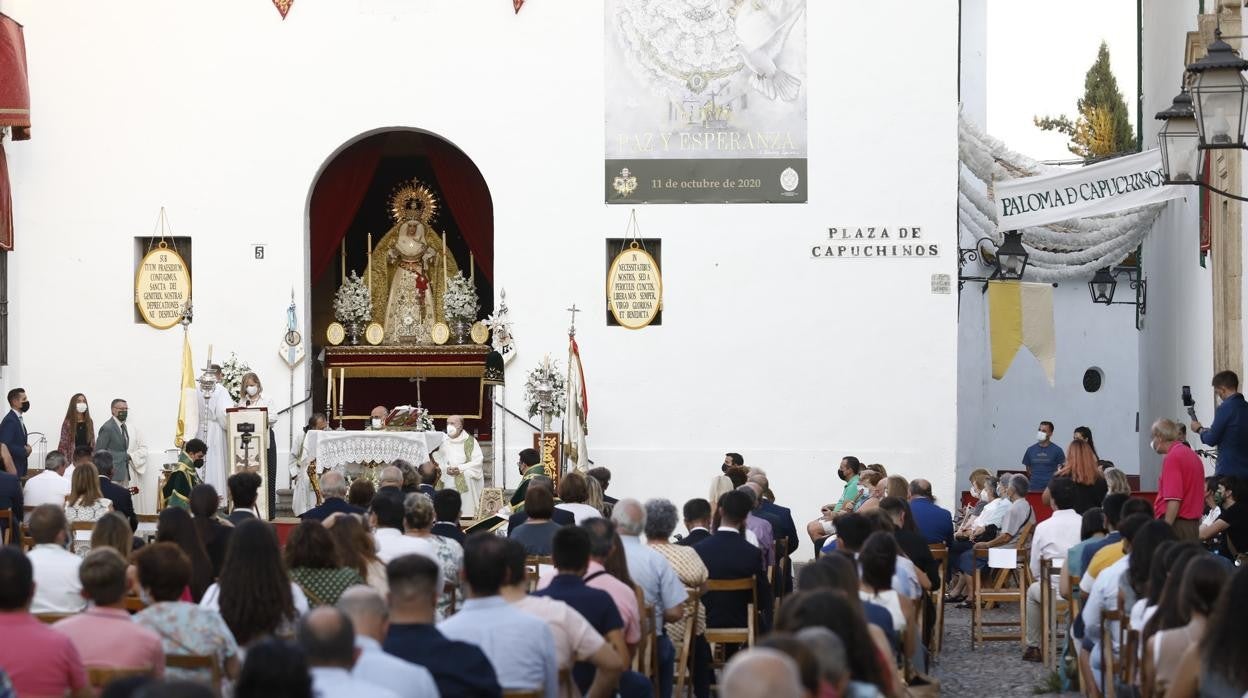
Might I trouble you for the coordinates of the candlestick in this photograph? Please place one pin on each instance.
(343, 257)
(370, 272)
(472, 270)
(329, 393)
(342, 391)
(446, 267)
(209, 355)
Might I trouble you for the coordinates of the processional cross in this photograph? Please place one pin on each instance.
(574, 310)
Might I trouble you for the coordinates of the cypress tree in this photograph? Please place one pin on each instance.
(1103, 127)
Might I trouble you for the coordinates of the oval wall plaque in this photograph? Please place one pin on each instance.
(634, 288)
(162, 286)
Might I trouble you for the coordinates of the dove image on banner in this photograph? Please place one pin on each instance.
(723, 124)
(1130, 181)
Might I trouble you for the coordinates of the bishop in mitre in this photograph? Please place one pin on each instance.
(461, 459)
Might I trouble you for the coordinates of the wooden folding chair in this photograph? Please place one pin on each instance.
(449, 591)
(1051, 608)
(77, 526)
(100, 677)
(196, 662)
(998, 592)
(134, 604)
(1109, 671)
(1129, 661)
(6, 520)
(646, 658)
(940, 552)
(533, 568)
(681, 672)
(50, 618)
(718, 637)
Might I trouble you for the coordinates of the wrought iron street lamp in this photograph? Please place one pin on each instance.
(1220, 95)
(1105, 282)
(1008, 260)
(1180, 142)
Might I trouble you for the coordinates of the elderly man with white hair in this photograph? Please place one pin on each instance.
(462, 459)
(657, 579)
(761, 673)
(391, 476)
(334, 489)
(371, 619)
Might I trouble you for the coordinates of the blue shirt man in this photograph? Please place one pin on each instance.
(1229, 431)
(934, 523)
(1043, 458)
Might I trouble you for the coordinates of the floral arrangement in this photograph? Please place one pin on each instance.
(410, 418)
(460, 301)
(500, 333)
(549, 371)
(233, 370)
(351, 301)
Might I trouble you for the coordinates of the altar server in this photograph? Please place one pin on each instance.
(303, 491)
(462, 459)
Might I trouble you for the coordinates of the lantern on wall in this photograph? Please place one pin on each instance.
(1220, 95)
(1179, 140)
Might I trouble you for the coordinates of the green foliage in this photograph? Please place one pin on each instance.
(1102, 127)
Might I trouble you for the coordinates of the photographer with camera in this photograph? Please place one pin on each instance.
(1229, 431)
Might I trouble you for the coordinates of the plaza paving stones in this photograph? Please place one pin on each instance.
(991, 669)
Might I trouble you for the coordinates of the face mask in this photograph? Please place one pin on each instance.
(252, 390)
(1041, 436)
(452, 431)
(841, 474)
(1152, 444)
(145, 597)
(81, 407)
(983, 495)
(376, 423)
(198, 462)
(26, 406)
(121, 416)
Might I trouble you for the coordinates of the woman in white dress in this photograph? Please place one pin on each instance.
(85, 503)
(303, 497)
(251, 393)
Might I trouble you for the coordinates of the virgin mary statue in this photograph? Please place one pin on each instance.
(413, 278)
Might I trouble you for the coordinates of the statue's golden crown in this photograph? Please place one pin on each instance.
(413, 201)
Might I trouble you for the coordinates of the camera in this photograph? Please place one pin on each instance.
(247, 430)
(1188, 402)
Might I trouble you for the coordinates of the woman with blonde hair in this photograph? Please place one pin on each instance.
(85, 502)
(1081, 467)
(897, 486)
(720, 485)
(113, 531)
(251, 395)
(1116, 481)
(873, 491)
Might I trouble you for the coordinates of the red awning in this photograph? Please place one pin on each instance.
(14, 113)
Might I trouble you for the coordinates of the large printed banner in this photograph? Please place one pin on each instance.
(705, 101)
(1114, 185)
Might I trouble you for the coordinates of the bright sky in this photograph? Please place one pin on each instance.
(1038, 55)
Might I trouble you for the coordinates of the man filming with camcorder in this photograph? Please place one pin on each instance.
(1229, 431)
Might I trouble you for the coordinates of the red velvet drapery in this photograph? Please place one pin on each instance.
(467, 198)
(337, 197)
(14, 112)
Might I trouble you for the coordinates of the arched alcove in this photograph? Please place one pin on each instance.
(350, 199)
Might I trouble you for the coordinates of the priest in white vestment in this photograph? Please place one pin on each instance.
(212, 422)
(143, 476)
(462, 460)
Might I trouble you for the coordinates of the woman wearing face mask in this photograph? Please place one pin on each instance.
(251, 396)
(77, 430)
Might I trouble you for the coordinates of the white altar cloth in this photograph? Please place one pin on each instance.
(334, 449)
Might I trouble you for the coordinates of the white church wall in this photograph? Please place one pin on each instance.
(225, 114)
(1176, 347)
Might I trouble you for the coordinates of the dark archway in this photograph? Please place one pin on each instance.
(350, 199)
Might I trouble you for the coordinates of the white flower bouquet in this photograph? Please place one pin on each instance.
(351, 301)
(232, 371)
(460, 301)
(546, 372)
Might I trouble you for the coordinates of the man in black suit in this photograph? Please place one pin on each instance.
(727, 555)
(11, 499)
(697, 521)
(429, 474)
(244, 491)
(781, 518)
(334, 489)
(446, 506)
(13, 430)
(120, 496)
(603, 476)
(562, 517)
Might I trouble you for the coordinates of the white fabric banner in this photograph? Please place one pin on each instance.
(1130, 181)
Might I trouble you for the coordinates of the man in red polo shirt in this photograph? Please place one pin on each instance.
(1181, 485)
(38, 660)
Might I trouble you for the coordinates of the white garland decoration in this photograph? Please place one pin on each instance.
(1062, 251)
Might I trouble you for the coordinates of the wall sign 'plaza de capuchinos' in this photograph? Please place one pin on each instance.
(162, 286)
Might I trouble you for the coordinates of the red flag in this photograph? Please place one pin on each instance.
(283, 6)
(517, 4)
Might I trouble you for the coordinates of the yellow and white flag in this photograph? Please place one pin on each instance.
(576, 419)
(1021, 314)
(188, 405)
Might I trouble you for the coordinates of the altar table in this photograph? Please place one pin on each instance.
(333, 450)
